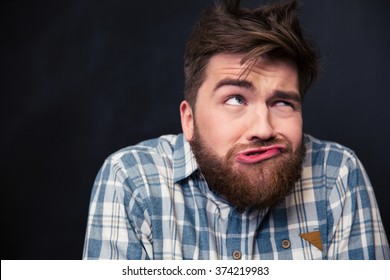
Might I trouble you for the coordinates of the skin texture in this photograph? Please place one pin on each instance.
(228, 114)
(246, 129)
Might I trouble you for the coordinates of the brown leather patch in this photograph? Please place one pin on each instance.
(313, 238)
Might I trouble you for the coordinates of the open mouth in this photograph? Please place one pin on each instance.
(259, 154)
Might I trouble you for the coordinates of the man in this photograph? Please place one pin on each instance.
(242, 181)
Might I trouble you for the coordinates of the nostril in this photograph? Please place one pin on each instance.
(261, 130)
(262, 138)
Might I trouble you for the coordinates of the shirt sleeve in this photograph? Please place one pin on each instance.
(118, 224)
(357, 231)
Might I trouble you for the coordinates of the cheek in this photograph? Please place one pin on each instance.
(291, 130)
(217, 132)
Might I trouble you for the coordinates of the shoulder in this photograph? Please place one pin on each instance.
(144, 161)
(317, 146)
(331, 155)
(148, 150)
(331, 162)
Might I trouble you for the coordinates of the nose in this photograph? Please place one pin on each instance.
(260, 126)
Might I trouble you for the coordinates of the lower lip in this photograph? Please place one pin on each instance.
(258, 157)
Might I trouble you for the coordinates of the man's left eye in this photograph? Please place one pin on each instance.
(235, 101)
(282, 104)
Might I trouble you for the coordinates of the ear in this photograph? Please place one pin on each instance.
(187, 120)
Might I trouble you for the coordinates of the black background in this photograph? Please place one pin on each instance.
(82, 79)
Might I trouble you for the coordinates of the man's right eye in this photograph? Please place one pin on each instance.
(235, 100)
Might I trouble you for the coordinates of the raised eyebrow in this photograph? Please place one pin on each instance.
(290, 95)
(233, 82)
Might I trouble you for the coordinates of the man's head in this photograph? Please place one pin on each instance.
(228, 28)
(246, 72)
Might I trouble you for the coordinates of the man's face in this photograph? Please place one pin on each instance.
(247, 125)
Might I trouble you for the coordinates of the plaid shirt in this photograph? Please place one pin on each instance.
(149, 201)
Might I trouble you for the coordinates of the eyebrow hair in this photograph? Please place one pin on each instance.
(291, 95)
(233, 82)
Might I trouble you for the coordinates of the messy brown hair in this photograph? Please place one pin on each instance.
(272, 29)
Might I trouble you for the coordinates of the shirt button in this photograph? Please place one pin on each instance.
(286, 243)
(237, 255)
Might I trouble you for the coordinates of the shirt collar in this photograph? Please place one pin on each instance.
(184, 163)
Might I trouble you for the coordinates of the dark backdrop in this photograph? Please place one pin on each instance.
(82, 79)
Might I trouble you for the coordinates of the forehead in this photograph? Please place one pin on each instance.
(281, 72)
(233, 64)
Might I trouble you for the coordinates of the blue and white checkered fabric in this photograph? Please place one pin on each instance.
(149, 201)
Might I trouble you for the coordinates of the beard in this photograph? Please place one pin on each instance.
(250, 186)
